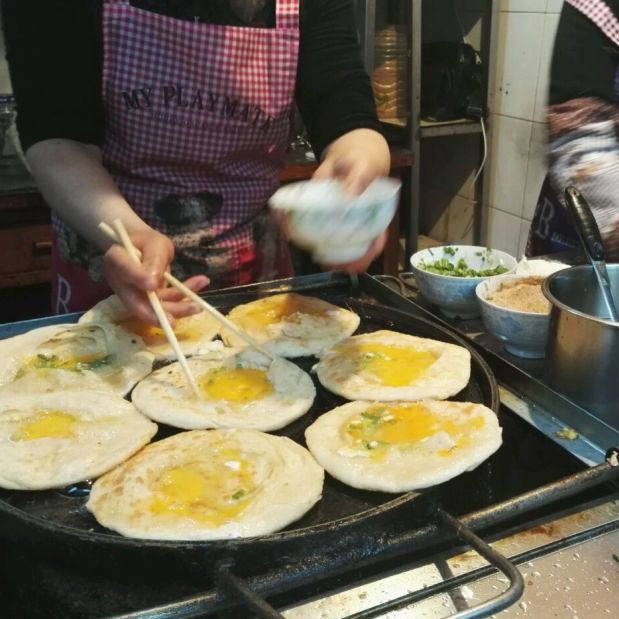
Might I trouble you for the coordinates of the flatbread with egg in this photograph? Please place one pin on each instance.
(93, 356)
(385, 365)
(194, 333)
(52, 440)
(292, 325)
(208, 484)
(398, 447)
(240, 388)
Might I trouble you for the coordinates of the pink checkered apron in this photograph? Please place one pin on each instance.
(601, 15)
(197, 124)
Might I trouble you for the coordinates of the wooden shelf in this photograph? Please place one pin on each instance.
(461, 126)
(23, 209)
(22, 199)
(485, 41)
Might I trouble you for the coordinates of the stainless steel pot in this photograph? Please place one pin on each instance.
(582, 353)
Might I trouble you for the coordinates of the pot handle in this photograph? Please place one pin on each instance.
(585, 224)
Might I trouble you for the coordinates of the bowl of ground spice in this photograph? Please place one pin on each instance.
(515, 310)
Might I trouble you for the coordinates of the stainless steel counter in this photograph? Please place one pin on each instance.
(578, 581)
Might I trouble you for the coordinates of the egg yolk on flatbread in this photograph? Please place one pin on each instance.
(53, 362)
(280, 308)
(76, 349)
(236, 384)
(211, 493)
(380, 427)
(45, 424)
(394, 366)
(154, 336)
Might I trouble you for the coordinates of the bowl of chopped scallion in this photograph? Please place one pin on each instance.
(447, 276)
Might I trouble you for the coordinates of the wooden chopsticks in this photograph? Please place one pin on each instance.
(192, 296)
(122, 237)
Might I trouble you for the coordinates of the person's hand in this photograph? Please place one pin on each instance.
(357, 158)
(361, 264)
(354, 169)
(131, 281)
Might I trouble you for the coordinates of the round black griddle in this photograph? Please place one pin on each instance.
(57, 522)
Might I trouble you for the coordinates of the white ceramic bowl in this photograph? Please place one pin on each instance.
(320, 217)
(523, 333)
(455, 296)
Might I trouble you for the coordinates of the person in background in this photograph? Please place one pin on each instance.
(583, 120)
(174, 116)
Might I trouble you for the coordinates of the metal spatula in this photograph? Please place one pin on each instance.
(591, 241)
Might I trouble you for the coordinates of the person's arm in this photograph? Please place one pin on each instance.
(333, 90)
(80, 190)
(74, 182)
(76, 185)
(335, 96)
(357, 157)
(583, 119)
(53, 49)
(336, 102)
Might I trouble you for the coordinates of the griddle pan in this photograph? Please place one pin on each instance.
(57, 524)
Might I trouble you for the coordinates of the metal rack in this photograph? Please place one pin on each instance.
(418, 129)
(421, 130)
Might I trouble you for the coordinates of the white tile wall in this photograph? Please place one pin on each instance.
(518, 158)
(503, 231)
(510, 152)
(519, 50)
(554, 6)
(551, 22)
(536, 169)
(526, 6)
